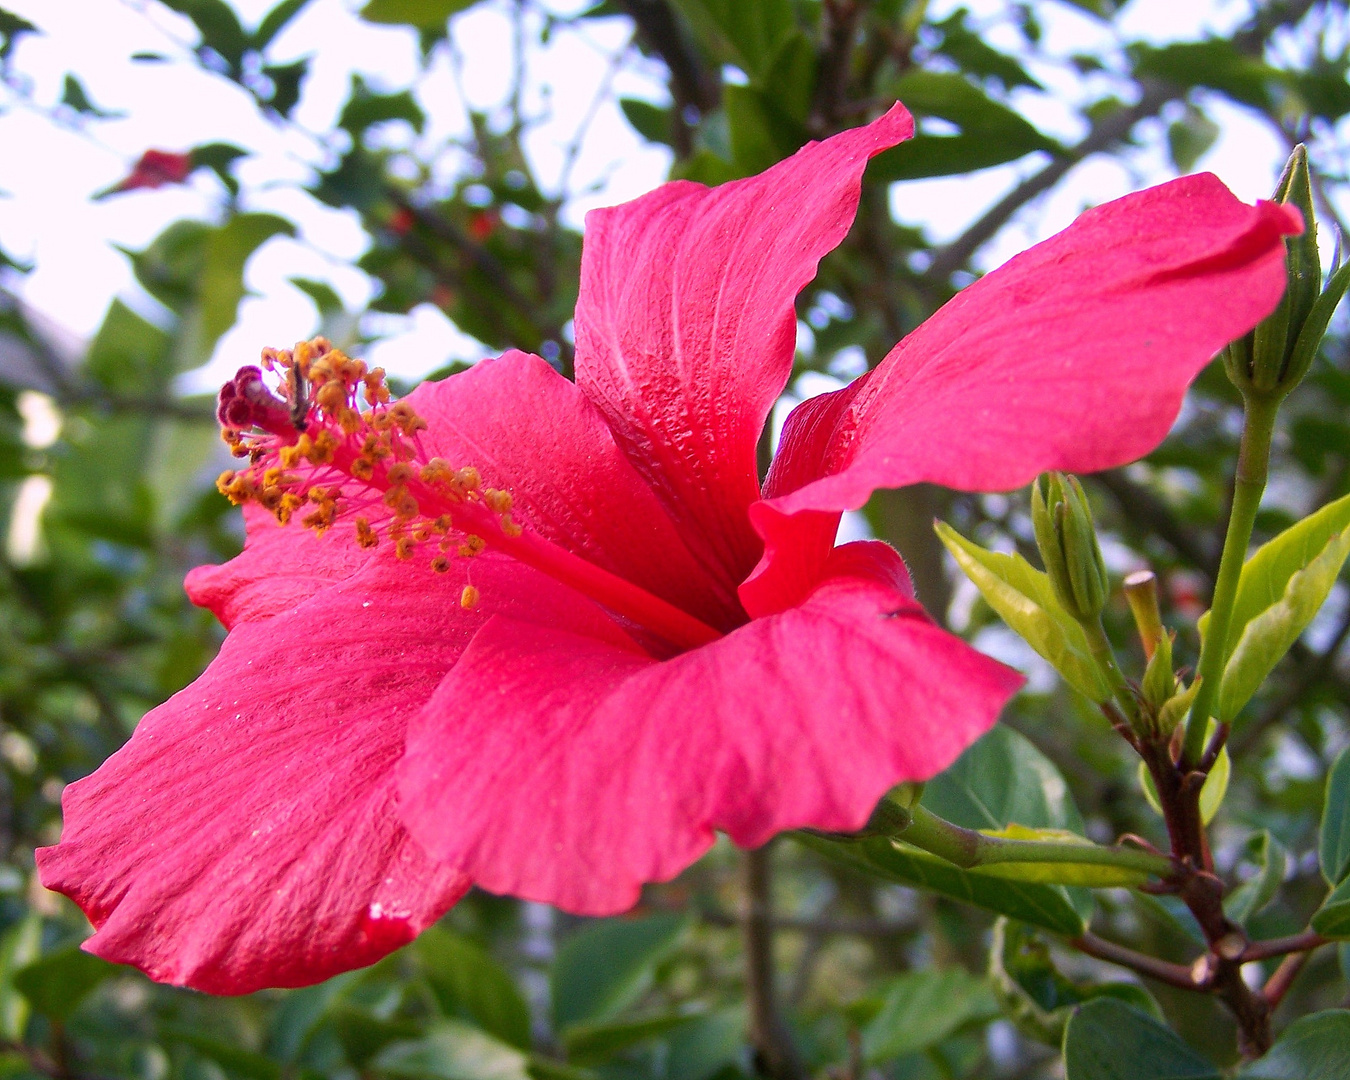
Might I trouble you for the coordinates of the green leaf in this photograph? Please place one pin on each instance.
(1333, 844)
(130, 355)
(604, 967)
(19, 947)
(1268, 636)
(1332, 919)
(55, 984)
(1001, 780)
(1255, 893)
(921, 1008)
(423, 14)
(1109, 1040)
(968, 50)
(1266, 574)
(593, 1044)
(1189, 138)
(652, 122)
(707, 1045)
(1216, 64)
(228, 1055)
(1315, 1047)
(74, 97)
(325, 297)
(11, 29)
(990, 132)
(219, 27)
(762, 133)
(286, 80)
(275, 21)
(365, 108)
(1023, 598)
(468, 982)
(451, 1051)
(1050, 907)
(748, 35)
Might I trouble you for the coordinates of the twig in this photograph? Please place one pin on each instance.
(1294, 943)
(1177, 975)
(775, 1053)
(1279, 983)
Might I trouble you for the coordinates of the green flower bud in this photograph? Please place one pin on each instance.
(1068, 544)
(1264, 360)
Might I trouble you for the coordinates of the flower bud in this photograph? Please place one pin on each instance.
(1068, 544)
(1261, 361)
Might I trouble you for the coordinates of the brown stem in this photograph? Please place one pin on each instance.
(1177, 975)
(776, 1055)
(1294, 943)
(1279, 983)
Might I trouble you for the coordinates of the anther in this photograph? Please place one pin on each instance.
(468, 598)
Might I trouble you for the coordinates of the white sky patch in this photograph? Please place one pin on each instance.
(45, 214)
(23, 544)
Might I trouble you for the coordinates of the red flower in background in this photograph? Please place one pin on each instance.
(155, 169)
(653, 648)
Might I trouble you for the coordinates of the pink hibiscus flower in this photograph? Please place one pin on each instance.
(548, 637)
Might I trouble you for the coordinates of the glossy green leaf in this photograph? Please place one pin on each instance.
(451, 1051)
(1332, 919)
(1107, 1039)
(1266, 574)
(999, 780)
(1051, 907)
(1023, 598)
(1268, 636)
(469, 983)
(605, 966)
(1258, 891)
(1315, 1047)
(921, 1008)
(593, 1044)
(422, 14)
(1333, 845)
(56, 983)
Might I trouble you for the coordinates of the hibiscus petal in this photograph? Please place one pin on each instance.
(1075, 355)
(531, 432)
(565, 769)
(279, 568)
(246, 835)
(685, 325)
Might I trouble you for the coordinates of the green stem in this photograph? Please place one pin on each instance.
(1100, 645)
(1258, 427)
(968, 848)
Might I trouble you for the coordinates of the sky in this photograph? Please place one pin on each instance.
(46, 215)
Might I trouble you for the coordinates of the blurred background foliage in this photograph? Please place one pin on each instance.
(106, 499)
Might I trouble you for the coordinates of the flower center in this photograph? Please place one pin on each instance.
(316, 455)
